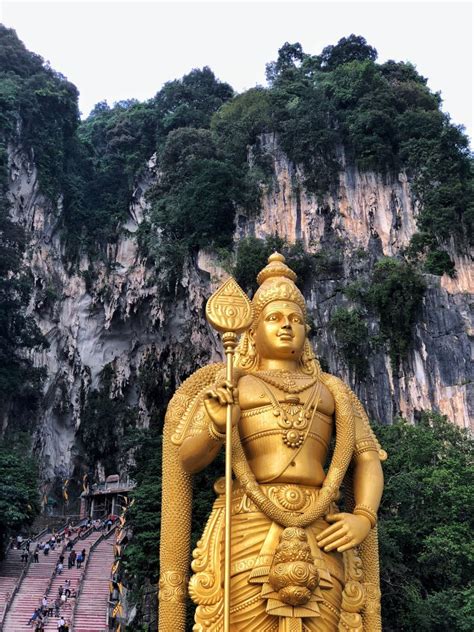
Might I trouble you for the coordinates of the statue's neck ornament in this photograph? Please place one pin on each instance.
(295, 418)
(286, 381)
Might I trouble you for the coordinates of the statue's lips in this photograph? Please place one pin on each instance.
(288, 337)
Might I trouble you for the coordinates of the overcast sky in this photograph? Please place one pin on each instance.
(113, 50)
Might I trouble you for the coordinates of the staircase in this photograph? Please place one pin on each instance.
(32, 588)
(74, 575)
(91, 609)
(10, 571)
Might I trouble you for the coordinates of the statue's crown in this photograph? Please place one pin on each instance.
(277, 283)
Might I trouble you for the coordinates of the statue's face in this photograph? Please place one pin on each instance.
(280, 332)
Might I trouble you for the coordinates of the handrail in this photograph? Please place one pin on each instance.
(42, 533)
(7, 548)
(102, 537)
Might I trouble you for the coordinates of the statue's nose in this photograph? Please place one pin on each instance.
(286, 324)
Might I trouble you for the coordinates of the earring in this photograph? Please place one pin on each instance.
(252, 352)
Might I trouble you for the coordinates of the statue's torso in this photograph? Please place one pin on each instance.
(291, 452)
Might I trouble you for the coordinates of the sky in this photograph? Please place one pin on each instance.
(116, 49)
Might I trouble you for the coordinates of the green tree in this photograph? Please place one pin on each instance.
(190, 101)
(19, 499)
(289, 56)
(239, 122)
(253, 253)
(351, 48)
(194, 203)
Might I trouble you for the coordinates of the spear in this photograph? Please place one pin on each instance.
(229, 311)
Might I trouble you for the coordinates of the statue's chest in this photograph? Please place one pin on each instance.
(290, 418)
(256, 394)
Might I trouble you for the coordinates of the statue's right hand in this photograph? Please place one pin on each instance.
(216, 401)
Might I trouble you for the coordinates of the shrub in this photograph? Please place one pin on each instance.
(352, 338)
(252, 256)
(395, 294)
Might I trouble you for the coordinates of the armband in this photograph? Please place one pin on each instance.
(214, 433)
(365, 444)
(370, 514)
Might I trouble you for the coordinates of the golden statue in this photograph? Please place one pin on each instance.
(298, 563)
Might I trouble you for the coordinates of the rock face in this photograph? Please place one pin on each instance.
(115, 312)
(369, 216)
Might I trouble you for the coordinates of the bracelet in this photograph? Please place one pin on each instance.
(370, 514)
(214, 433)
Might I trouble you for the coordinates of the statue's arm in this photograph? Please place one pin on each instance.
(197, 451)
(206, 437)
(350, 529)
(368, 474)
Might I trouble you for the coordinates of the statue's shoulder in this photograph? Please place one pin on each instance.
(184, 403)
(335, 385)
(344, 395)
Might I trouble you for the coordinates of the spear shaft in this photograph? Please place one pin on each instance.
(230, 312)
(229, 340)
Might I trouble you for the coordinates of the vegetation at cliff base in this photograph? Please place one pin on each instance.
(19, 497)
(425, 527)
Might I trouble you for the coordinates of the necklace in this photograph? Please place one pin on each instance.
(287, 383)
(293, 417)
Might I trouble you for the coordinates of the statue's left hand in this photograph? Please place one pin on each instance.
(347, 531)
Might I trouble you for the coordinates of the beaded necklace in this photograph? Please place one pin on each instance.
(288, 384)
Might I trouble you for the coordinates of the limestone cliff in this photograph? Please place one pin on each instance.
(114, 311)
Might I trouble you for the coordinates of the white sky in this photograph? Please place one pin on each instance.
(115, 50)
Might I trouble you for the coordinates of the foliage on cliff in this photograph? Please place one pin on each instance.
(19, 380)
(352, 337)
(393, 295)
(38, 112)
(329, 111)
(24, 87)
(106, 423)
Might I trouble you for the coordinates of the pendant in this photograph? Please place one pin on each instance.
(293, 438)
